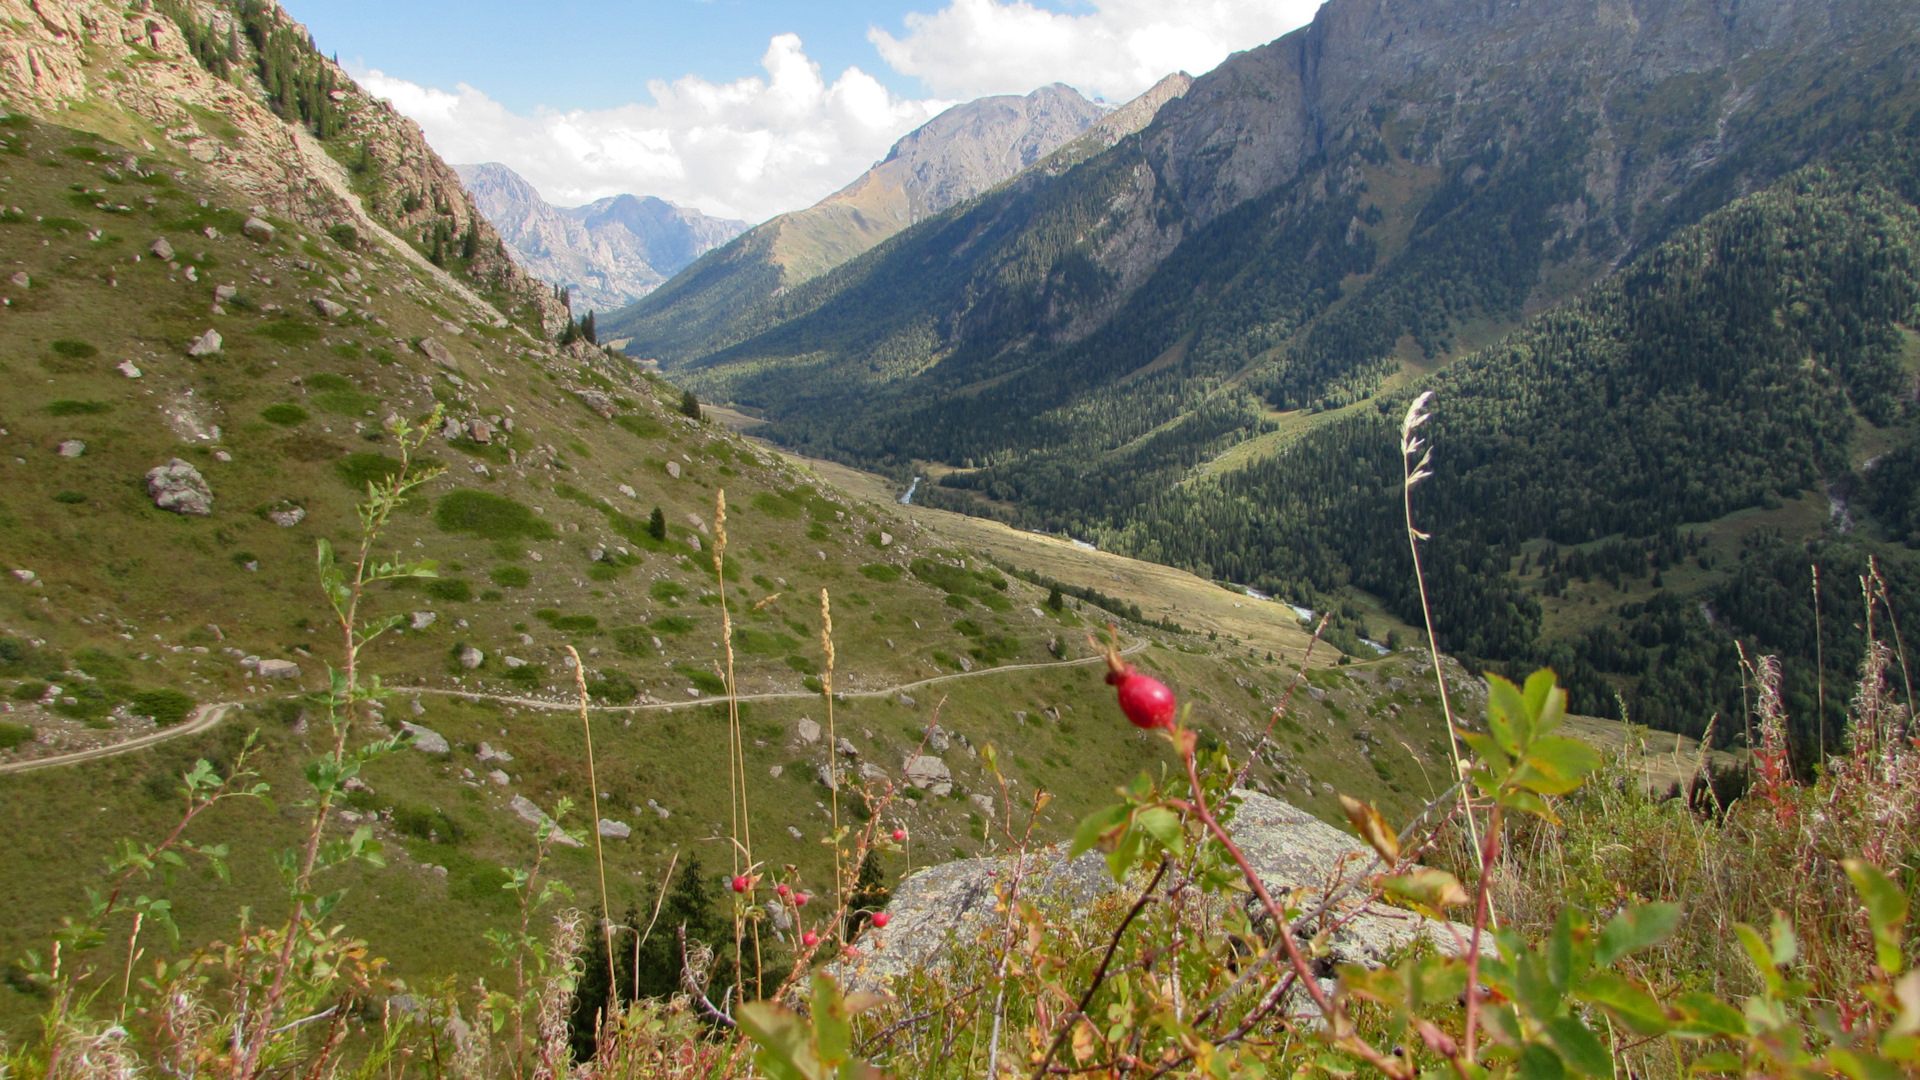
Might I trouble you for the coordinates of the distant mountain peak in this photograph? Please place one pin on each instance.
(610, 252)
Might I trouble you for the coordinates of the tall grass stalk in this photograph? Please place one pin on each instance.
(593, 819)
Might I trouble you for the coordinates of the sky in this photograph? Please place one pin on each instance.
(747, 108)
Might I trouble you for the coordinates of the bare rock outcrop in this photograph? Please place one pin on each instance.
(179, 487)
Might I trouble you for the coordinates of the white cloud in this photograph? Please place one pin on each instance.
(747, 149)
(975, 47)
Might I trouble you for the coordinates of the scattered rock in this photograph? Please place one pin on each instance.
(795, 833)
(513, 662)
(1316, 693)
(937, 739)
(179, 487)
(471, 658)
(775, 771)
(871, 772)
(287, 516)
(499, 777)
(615, 830)
(327, 308)
(907, 701)
(627, 491)
(808, 730)
(886, 539)
(416, 708)
(694, 543)
(1395, 684)
(20, 280)
(776, 911)
(224, 293)
(438, 353)
(128, 368)
(847, 748)
(597, 401)
(206, 344)
(488, 753)
(162, 250)
(673, 469)
(424, 619)
(479, 430)
(278, 669)
(827, 777)
(25, 576)
(928, 773)
(527, 810)
(72, 448)
(984, 803)
(259, 229)
(425, 740)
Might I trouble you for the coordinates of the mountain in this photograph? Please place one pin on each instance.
(609, 252)
(1168, 344)
(949, 159)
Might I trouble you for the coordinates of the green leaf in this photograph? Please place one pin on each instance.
(1629, 1004)
(785, 1046)
(1163, 825)
(1555, 765)
(1761, 956)
(1507, 719)
(1428, 887)
(1546, 702)
(1634, 929)
(1099, 829)
(832, 1031)
(1705, 1014)
(1579, 1046)
(1886, 911)
(1538, 1062)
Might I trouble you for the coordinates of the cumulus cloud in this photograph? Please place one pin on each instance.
(975, 47)
(747, 149)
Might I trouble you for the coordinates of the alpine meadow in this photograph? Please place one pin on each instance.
(1385, 557)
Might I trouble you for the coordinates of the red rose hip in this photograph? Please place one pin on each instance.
(740, 884)
(881, 919)
(809, 939)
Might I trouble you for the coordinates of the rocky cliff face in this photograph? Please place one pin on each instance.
(135, 71)
(607, 253)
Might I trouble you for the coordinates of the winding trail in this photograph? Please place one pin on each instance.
(206, 717)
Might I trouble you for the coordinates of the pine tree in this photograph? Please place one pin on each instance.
(587, 331)
(1054, 600)
(689, 405)
(657, 524)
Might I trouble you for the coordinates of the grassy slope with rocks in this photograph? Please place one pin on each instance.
(287, 414)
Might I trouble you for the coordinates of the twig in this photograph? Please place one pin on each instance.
(1100, 973)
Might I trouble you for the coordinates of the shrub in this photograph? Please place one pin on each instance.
(704, 681)
(29, 691)
(672, 624)
(363, 468)
(454, 589)
(645, 427)
(71, 498)
(612, 687)
(345, 235)
(346, 402)
(762, 642)
(667, 592)
(567, 623)
(489, 516)
(776, 506)
(510, 577)
(74, 349)
(167, 706)
(287, 414)
(327, 380)
(290, 332)
(882, 572)
(69, 407)
(12, 734)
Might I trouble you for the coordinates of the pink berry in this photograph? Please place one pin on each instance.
(740, 884)
(881, 919)
(899, 835)
(809, 939)
(1146, 700)
(800, 899)
(782, 890)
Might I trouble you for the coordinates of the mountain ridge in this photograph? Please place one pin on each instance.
(607, 253)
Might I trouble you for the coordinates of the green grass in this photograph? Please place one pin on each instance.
(71, 407)
(494, 517)
(285, 414)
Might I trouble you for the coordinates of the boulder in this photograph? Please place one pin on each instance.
(1288, 848)
(327, 308)
(71, 448)
(471, 658)
(597, 401)
(179, 487)
(809, 731)
(937, 739)
(775, 771)
(288, 515)
(983, 803)
(425, 740)
(513, 662)
(845, 746)
(615, 830)
(224, 293)
(479, 430)
(424, 619)
(929, 774)
(162, 250)
(871, 773)
(673, 469)
(499, 777)
(258, 229)
(626, 490)
(20, 280)
(277, 669)
(438, 353)
(129, 369)
(206, 344)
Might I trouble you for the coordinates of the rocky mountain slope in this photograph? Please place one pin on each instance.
(951, 158)
(212, 310)
(1337, 215)
(608, 253)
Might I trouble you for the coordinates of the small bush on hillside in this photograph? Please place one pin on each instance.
(166, 706)
(327, 380)
(285, 414)
(453, 589)
(882, 572)
(510, 577)
(612, 687)
(361, 469)
(69, 407)
(489, 516)
(290, 332)
(762, 642)
(646, 427)
(12, 734)
(71, 498)
(346, 402)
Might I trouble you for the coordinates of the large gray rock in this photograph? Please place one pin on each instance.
(808, 730)
(928, 773)
(438, 353)
(162, 250)
(953, 903)
(179, 487)
(258, 228)
(615, 830)
(71, 448)
(426, 740)
(328, 308)
(277, 669)
(206, 344)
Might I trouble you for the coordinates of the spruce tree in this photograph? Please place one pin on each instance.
(689, 405)
(657, 524)
(587, 331)
(1054, 600)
